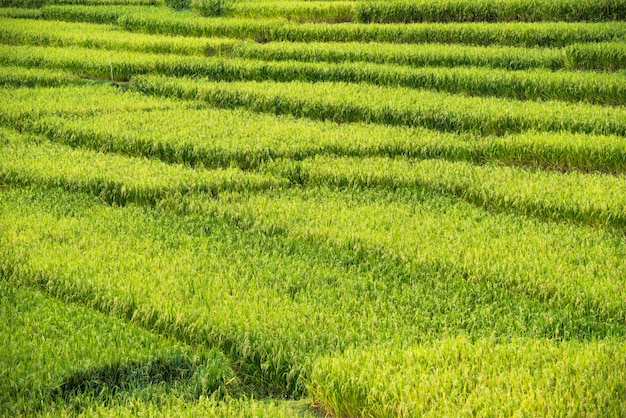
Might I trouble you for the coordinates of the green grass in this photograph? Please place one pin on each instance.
(206, 407)
(92, 14)
(205, 138)
(608, 56)
(305, 11)
(599, 56)
(606, 89)
(109, 37)
(463, 377)
(513, 58)
(266, 214)
(489, 11)
(274, 281)
(588, 199)
(35, 77)
(343, 102)
(58, 356)
(167, 21)
(510, 34)
(596, 200)
(25, 103)
(114, 179)
(199, 136)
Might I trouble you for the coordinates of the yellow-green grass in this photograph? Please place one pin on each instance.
(114, 178)
(513, 34)
(107, 119)
(593, 56)
(598, 200)
(96, 36)
(106, 14)
(378, 250)
(475, 377)
(600, 56)
(590, 87)
(343, 102)
(24, 103)
(405, 11)
(204, 407)
(35, 77)
(166, 21)
(299, 11)
(276, 280)
(223, 138)
(604, 56)
(64, 357)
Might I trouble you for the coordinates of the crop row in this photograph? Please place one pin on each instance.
(299, 11)
(275, 302)
(94, 36)
(432, 11)
(408, 11)
(71, 13)
(608, 89)
(422, 10)
(42, 3)
(600, 56)
(588, 199)
(35, 77)
(115, 179)
(393, 106)
(63, 357)
(604, 56)
(164, 21)
(51, 165)
(25, 103)
(204, 138)
(593, 56)
(456, 376)
(511, 34)
(200, 136)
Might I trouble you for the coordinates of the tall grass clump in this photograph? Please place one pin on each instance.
(211, 8)
(604, 56)
(178, 4)
(22, 3)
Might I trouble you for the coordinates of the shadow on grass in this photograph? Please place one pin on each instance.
(184, 376)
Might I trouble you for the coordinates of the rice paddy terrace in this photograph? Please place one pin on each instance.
(313, 208)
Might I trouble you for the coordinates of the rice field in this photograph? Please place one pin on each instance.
(292, 208)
